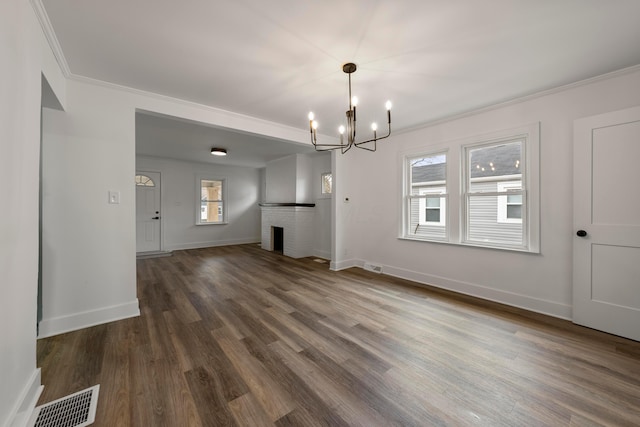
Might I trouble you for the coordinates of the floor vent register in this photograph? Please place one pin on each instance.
(76, 410)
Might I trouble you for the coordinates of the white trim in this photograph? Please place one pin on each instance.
(213, 243)
(27, 401)
(519, 100)
(537, 305)
(47, 28)
(50, 35)
(530, 140)
(422, 205)
(223, 199)
(503, 200)
(347, 263)
(85, 319)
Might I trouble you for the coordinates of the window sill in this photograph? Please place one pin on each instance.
(211, 223)
(472, 245)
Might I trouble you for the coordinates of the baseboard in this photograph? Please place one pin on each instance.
(550, 308)
(200, 245)
(27, 401)
(86, 319)
(343, 265)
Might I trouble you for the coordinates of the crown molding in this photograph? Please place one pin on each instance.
(47, 28)
(302, 135)
(521, 99)
(50, 35)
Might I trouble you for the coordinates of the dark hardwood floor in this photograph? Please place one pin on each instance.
(239, 336)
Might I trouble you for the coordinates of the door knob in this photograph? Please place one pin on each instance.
(581, 233)
(156, 217)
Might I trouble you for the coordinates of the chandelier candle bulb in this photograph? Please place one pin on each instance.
(350, 128)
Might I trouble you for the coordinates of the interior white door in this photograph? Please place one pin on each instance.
(148, 221)
(606, 249)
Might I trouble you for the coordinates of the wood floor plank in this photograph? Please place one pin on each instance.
(248, 412)
(209, 399)
(240, 336)
(275, 401)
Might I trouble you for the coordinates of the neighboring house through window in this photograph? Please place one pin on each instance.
(211, 206)
(425, 194)
(510, 206)
(479, 191)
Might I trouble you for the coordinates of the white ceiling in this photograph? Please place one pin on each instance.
(276, 60)
(163, 136)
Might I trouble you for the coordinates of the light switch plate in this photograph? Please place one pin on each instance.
(114, 197)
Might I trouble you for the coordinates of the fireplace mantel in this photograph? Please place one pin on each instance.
(287, 205)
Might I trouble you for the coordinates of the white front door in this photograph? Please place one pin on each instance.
(147, 211)
(606, 249)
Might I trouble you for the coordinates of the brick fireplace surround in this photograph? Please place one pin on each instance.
(297, 222)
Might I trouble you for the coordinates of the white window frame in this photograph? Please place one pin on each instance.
(224, 202)
(457, 222)
(322, 179)
(512, 188)
(438, 187)
(422, 206)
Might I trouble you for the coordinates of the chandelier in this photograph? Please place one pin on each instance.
(350, 129)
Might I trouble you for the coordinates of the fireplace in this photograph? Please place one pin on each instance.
(296, 222)
(277, 239)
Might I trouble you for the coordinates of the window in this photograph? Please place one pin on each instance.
(479, 191)
(327, 183)
(432, 210)
(144, 181)
(494, 209)
(426, 199)
(211, 201)
(510, 206)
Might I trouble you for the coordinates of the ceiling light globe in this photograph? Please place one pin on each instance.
(218, 151)
(388, 105)
(374, 127)
(341, 130)
(311, 115)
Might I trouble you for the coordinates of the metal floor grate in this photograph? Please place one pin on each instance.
(75, 410)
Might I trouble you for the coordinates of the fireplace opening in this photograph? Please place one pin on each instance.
(277, 239)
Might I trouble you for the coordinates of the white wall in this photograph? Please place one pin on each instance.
(281, 180)
(89, 245)
(178, 203)
(21, 44)
(536, 282)
(321, 163)
(304, 179)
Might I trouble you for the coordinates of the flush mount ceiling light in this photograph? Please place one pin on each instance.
(350, 129)
(215, 151)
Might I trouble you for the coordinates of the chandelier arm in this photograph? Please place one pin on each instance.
(358, 144)
(314, 142)
(349, 68)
